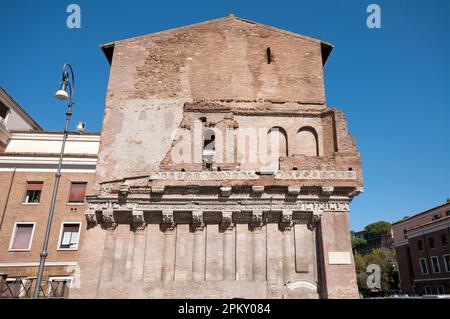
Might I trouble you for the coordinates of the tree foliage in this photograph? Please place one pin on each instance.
(378, 228)
(386, 259)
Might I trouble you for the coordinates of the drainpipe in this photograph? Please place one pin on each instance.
(7, 197)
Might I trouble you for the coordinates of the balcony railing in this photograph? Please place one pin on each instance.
(24, 288)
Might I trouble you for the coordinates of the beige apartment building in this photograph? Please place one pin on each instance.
(27, 171)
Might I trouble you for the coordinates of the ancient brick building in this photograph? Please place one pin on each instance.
(186, 203)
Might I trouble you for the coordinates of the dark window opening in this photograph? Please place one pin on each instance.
(269, 55)
(3, 111)
(295, 168)
(444, 240)
(209, 147)
(33, 193)
(420, 245)
(350, 169)
(431, 242)
(436, 216)
(203, 119)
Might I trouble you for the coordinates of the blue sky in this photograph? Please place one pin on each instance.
(392, 83)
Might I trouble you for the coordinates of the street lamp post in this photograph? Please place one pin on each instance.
(67, 83)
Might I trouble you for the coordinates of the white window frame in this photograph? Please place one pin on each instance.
(425, 289)
(13, 237)
(438, 266)
(58, 247)
(443, 290)
(426, 266)
(447, 264)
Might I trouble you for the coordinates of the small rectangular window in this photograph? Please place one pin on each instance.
(77, 192)
(22, 236)
(435, 264)
(70, 234)
(3, 111)
(423, 266)
(447, 262)
(420, 245)
(440, 290)
(33, 193)
(444, 240)
(427, 290)
(431, 242)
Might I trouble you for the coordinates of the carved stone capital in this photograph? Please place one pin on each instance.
(258, 189)
(327, 190)
(356, 191)
(197, 217)
(158, 189)
(124, 188)
(138, 217)
(167, 217)
(294, 190)
(257, 220)
(227, 221)
(314, 222)
(286, 220)
(91, 216)
(108, 215)
(225, 190)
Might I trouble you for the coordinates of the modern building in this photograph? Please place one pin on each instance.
(373, 241)
(28, 162)
(421, 245)
(222, 172)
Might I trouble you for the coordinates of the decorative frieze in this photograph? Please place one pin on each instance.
(302, 206)
(251, 175)
(203, 176)
(316, 174)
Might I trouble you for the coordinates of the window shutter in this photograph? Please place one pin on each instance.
(34, 186)
(23, 236)
(77, 191)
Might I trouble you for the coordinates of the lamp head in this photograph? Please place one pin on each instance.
(62, 93)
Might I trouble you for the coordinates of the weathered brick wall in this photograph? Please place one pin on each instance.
(226, 61)
(16, 211)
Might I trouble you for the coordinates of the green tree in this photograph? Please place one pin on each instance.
(378, 228)
(358, 243)
(386, 259)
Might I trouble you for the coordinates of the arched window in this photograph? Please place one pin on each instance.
(277, 146)
(307, 142)
(279, 132)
